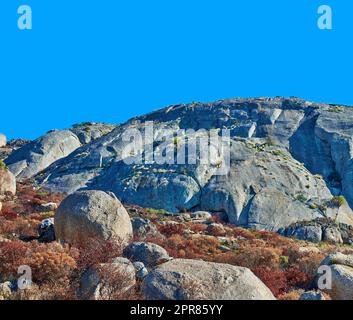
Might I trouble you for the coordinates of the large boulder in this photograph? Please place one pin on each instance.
(311, 233)
(183, 279)
(149, 253)
(144, 227)
(323, 229)
(341, 266)
(342, 283)
(3, 140)
(92, 214)
(7, 181)
(332, 235)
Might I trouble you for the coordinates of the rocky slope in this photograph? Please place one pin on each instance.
(290, 160)
(186, 256)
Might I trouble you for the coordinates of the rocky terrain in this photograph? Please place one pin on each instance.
(290, 160)
(82, 216)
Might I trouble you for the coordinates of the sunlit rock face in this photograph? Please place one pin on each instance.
(287, 160)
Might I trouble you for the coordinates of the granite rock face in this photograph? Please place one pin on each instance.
(37, 155)
(288, 158)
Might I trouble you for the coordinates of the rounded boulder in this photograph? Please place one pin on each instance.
(183, 279)
(92, 214)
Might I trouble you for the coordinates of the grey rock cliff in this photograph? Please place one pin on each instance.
(288, 158)
(37, 155)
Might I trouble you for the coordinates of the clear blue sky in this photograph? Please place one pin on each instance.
(109, 60)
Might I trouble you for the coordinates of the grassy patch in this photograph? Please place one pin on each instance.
(156, 211)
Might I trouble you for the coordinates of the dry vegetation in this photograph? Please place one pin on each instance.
(281, 263)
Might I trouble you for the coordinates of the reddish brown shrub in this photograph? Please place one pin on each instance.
(240, 232)
(50, 263)
(19, 226)
(197, 227)
(216, 230)
(97, 251)
(12, 255)
(8, 212)
(296, 278)
(292, 295)
(275, 280)
(310, 263)
(117, 284)
(171, 229)
(253, 257)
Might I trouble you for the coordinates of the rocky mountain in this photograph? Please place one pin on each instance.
(289, 161)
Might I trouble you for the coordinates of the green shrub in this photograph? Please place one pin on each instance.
(338, 201)
(156, 211)
(313, 206)
(177, 141)
(277, 152)
(284, 259)
(302, 198)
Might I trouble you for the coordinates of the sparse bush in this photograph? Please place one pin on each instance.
(310, 263)
(301, 198)
(284, 260)
(197, 227)
(253, 257)
(117, 284)
(156, 211)
(12, 255)
(291, 295)
(277, 152)
(171, 229)
(50, 263)
(338, 201)
(275, 280)
(279, 281)
(97, 251)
